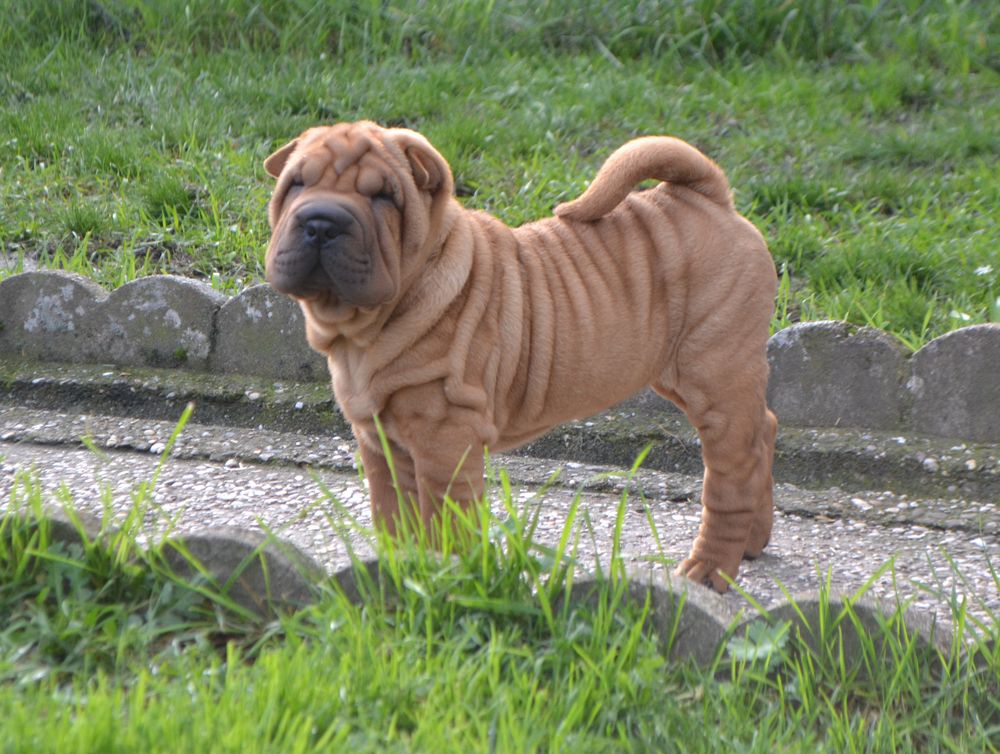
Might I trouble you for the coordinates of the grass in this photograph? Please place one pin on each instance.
(104, 649)
(858, 136)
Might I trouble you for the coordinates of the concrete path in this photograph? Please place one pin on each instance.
(931, 551)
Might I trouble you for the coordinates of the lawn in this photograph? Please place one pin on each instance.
(860, 137)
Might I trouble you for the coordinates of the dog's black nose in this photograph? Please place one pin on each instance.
(320, 229)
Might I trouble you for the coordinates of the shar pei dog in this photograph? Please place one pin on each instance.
(457, 333)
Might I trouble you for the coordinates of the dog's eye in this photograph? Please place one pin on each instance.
(294, 186)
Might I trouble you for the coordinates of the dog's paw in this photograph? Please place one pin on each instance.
(705, 573)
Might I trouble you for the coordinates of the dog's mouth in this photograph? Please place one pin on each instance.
(327, 250)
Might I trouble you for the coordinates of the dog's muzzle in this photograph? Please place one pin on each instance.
(322, 249)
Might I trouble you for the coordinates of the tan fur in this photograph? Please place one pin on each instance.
(461, 333)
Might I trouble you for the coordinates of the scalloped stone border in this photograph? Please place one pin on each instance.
(822, 373)
(267, 576)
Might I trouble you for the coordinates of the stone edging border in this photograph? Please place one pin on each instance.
(822, 373)
(266, 576)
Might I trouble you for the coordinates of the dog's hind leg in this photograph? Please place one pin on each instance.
(727, 407)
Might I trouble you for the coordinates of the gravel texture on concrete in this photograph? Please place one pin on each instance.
(928, 552)
(810, 457)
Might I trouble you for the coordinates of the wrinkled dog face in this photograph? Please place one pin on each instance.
(337, 212)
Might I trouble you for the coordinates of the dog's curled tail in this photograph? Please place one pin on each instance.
(661, 157)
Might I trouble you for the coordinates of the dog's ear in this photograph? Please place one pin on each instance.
(430, 171)
(427, 171)
(276, 162)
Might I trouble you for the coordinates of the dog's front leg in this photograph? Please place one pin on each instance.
(390, 500)
(448, 465)
(445, 442)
